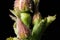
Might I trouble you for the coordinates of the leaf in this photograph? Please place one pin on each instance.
(38, 29)
(41, 27)
(12, 17)
(50, 19)
(14, 13)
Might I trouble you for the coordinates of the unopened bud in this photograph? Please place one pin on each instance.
(23, 5)
(23, 31)
(36, 18)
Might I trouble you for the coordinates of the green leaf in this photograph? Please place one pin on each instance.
(38, 29)
(50, 19)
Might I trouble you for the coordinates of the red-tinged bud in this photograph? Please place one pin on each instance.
(22, 4)
(23, 31)
(36, 18)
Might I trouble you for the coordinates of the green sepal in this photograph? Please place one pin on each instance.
(26, 19)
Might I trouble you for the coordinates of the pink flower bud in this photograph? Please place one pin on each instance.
(23, 31)
(22, 4)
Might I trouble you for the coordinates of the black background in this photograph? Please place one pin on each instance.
(46, 7)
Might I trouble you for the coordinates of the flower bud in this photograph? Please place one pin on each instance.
(36, 18)
(23, 31)
(23, 5)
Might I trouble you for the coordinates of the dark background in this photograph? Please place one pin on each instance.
(46, 7)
